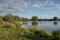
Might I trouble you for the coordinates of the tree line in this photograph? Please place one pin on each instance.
(11, 18)
(35, 18)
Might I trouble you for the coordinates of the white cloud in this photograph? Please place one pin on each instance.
(36, 5)
(58, 7)
(25, 3)
(22, 5)
(13, 5)
(47, 4)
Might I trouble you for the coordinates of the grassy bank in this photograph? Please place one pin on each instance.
(12, 28)
(27, 34)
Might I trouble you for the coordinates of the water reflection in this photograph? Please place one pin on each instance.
(34, 23)
(48, 25)
(24, 22)
(55, 23)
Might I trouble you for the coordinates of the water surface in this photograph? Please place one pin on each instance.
(47, 25)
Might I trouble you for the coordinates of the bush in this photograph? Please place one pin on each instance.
(1, 21)
(56, 35)
(18, 24)
(8, 25)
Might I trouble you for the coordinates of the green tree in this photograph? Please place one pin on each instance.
(55, 18)
(17, 18)
(8, 17)
(24, 19)
(56, 35)
(34, 18)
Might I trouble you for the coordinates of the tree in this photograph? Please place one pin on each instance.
(17, 18)
(8, 17)
(34, 18)
(55, 18)
(24, 19)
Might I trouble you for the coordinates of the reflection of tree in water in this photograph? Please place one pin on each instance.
(35, 25)
(25, 22)
(55, 23)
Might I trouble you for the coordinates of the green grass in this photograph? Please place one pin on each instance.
(27, 34)
(14, 30)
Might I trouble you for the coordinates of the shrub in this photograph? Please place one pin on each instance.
(1, 21)
(9, 25)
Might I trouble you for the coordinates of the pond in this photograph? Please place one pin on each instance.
(46, 25)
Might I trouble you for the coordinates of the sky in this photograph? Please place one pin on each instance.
(29, 8)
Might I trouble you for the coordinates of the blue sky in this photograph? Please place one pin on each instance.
(29, 8)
